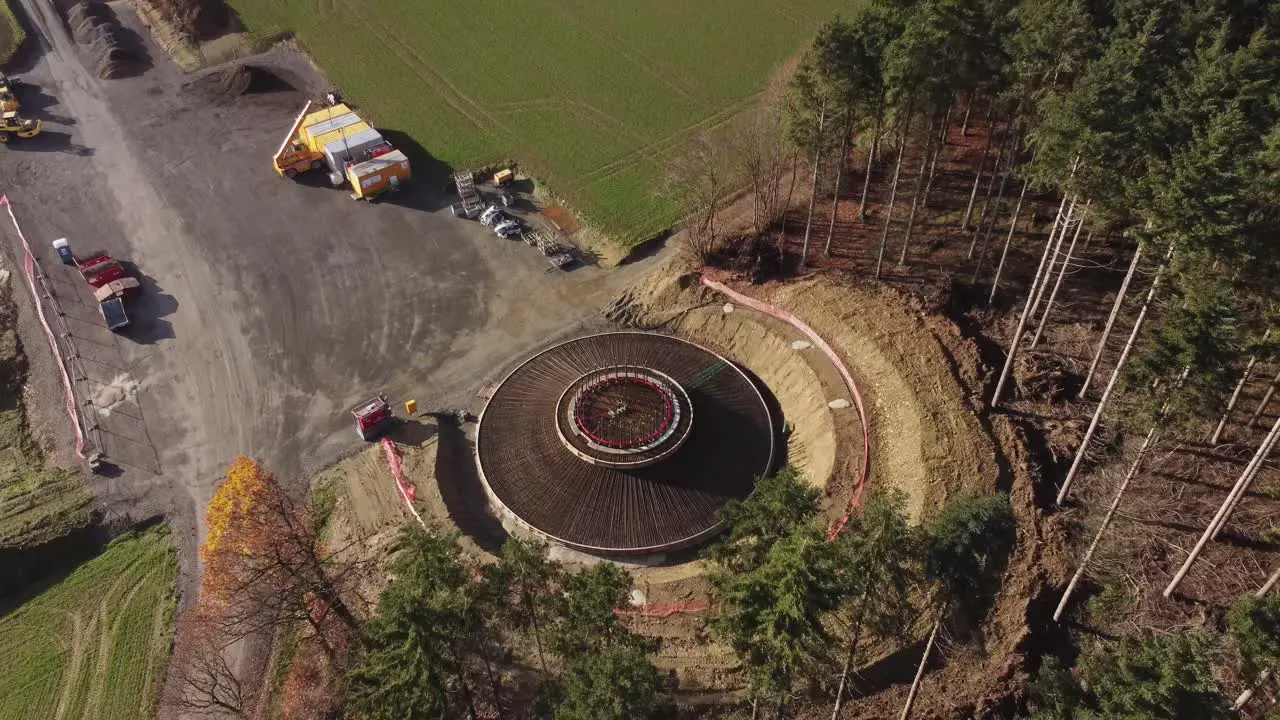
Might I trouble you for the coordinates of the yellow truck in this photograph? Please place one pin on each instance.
(338, 139)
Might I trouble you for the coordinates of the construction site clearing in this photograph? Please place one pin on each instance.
(449, 312)
(631, 382)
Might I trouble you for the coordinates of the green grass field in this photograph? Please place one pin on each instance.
(94, 645)
(590, 96)
(11, 34)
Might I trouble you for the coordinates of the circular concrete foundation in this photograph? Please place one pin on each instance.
(624, 443)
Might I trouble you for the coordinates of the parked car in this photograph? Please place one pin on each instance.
(508, 230)
(492, 216)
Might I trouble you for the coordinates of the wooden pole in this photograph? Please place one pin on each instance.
(893, 196)
(1022, 323)
(1223, 510)
(915, 684)
(1013, 224)
(1106, 523)
(813, 190)
(1266, 400)
(1111, 384)
(1057, 251)
(1231, 508)
(1111, 321)
(1057, 285)
(1235, 394)
(1247, 695)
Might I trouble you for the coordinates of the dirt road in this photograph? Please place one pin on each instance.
(269, 307)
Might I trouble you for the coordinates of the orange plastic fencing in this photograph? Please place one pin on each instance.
(822, 345)
(405, 487)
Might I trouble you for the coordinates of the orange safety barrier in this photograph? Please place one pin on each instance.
(822, 345)
(405, 487)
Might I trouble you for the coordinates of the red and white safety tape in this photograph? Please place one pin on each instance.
(831, 354)
(29, 262)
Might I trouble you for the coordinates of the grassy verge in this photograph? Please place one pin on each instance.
(11, 33)
(38, 503)
(95, 644)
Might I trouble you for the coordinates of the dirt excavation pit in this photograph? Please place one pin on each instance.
(921, 383)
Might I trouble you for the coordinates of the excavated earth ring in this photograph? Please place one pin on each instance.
(593, 443)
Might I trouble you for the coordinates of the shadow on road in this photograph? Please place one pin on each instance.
(49, 141)
(148, 310)
(36, 102)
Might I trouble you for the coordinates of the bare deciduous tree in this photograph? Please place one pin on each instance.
(698, 181)
(202, 678)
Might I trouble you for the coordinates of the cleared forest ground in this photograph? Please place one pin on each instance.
(94, 645)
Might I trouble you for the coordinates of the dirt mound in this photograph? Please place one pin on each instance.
(231, 82)
(747, 339)
(920, 382)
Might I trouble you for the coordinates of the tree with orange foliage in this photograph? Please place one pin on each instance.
(265, 561)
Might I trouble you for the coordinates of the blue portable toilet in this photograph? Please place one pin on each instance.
(64, 251)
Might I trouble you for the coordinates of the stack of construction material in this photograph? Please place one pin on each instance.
(353, 151)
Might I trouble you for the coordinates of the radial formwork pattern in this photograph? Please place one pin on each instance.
(624, 443)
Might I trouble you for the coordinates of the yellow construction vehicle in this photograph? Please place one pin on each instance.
(333, 137)
(11, 124)
(294, 156)
(8, 95)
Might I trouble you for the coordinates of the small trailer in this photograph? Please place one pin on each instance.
(110, 299)
(373, 417)
(375, 176)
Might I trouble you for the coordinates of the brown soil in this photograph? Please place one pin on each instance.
(196, 19)
(566, 221)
